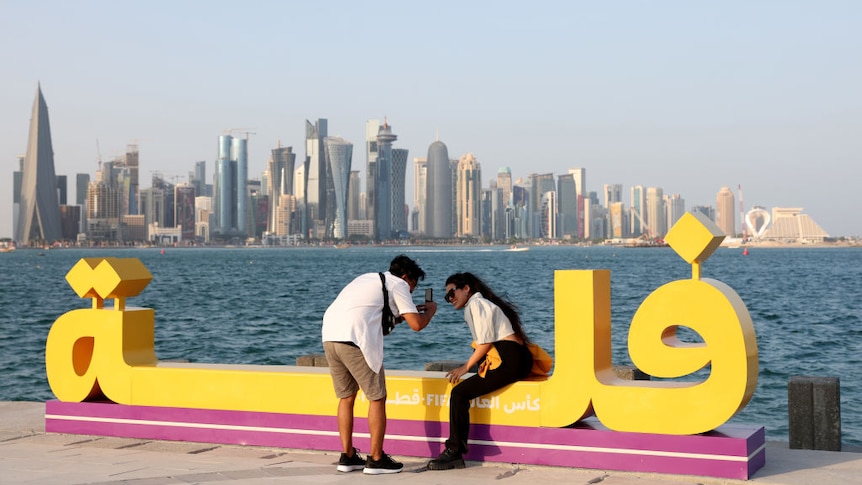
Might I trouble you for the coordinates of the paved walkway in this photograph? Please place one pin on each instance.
(30, 456)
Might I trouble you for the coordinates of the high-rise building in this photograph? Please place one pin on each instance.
(279, 177)
(383, 183)
(315, 201)
(230, 190)
(132, 161)
(39, 214)
(399, 205)
(567, 202)
(675, 208)
(339, 153)
(549, 215)
(184, 216)
(199, 179)
(420, 186)
(540, 183)
(469, 197)
(613, 193)
(372, 128)
(355, 192)
(438, 195)
(580, 177)
(725, 211)
(656, 212)
(504, 183)
(639, 224)
(17, 180)
(616, 220)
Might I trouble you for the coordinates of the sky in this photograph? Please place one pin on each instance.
(686, 96)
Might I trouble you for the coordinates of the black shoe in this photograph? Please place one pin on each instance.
(384, 465)
(350, 463)
(448, 460)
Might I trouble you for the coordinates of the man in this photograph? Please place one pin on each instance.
(353, 342)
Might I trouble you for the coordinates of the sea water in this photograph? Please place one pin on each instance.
(264, 306)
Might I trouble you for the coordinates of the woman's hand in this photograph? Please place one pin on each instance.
(454, 375)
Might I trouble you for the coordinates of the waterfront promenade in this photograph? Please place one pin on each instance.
(28, 455)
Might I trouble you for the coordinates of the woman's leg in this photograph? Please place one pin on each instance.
(511, 370)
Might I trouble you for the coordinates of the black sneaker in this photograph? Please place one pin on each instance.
(350, 463)
(384, 465)
(448, 460)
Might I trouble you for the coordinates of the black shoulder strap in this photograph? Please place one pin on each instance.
(387, 312)
(385, 293)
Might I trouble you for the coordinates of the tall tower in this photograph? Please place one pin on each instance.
(438, 196)
(567, 201)
(231, 187)
(399, 172)
(39, 216)
(639, 221)
(339, 153)
(372, 127)
(469, 196)
(280, 171)
(383, 184)
(315, 202)
(656, 212)
(725, 210)
(420, 190)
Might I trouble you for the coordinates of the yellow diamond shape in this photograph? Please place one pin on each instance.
(82, 276)
(119, 278)
(694, 237)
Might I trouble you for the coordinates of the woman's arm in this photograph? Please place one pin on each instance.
(481, 349)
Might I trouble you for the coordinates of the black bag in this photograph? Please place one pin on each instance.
(388, 321)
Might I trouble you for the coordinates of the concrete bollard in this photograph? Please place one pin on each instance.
(814, 413)
(312, 360)
(630, 373)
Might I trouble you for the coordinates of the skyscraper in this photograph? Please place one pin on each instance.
(639, 221)
(567, 201)
(438, 196)
(399, 173)
(725, 211)
(540, 183)
(469, 197)
(372, 127)
(280, 170)
(39, 215)
(580, 177)
(339, 153)
(315, 201)
(656, 212)
(383, 183)
(420, 190)
(230, 191)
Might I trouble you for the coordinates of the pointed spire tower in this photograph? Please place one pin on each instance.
(39, 216)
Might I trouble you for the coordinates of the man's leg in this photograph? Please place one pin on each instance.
(376, 426)
(345, 423)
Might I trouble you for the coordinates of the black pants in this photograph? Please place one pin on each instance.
(517, 362)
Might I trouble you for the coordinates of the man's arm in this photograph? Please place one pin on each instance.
(418, 321)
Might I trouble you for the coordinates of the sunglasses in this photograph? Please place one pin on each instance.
(450, 295)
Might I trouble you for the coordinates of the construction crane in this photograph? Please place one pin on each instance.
(245, 131)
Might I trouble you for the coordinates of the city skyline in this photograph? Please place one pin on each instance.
(689, 98)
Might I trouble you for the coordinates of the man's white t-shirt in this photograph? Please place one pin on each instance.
(356, 313)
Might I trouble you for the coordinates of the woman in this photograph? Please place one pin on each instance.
(496, 328)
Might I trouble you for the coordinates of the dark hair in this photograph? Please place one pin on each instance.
(402, 265)
(460, 280)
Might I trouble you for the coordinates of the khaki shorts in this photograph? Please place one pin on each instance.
(350, 372)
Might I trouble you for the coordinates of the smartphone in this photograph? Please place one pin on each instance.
(429, 294)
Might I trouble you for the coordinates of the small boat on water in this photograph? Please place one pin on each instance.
(341, 246)
(515, 247)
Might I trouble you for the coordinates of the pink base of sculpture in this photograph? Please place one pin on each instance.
(728, 452)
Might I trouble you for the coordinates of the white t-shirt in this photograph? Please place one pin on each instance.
(356, 313)
(486, 320)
